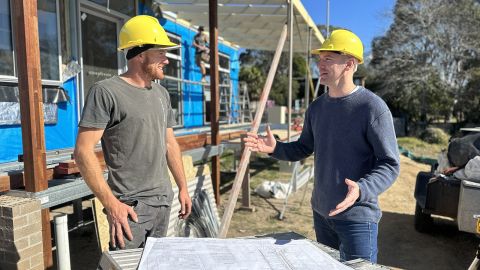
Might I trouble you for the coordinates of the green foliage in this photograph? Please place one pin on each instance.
(420, 148)
(435, 136)
(279, 92)
(255, 65)
(423, 66)
(467, 107)
(254, 78)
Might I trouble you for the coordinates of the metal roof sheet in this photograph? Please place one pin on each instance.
(250, 24)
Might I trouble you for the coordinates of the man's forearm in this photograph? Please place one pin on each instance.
(92, 173)
(174, 161)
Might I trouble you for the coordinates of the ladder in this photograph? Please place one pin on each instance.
(225, 97)
(245, 112)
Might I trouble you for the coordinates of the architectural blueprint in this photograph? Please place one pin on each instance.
(244, 254)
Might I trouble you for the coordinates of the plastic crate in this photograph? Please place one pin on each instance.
(442, 196)
(469, 205)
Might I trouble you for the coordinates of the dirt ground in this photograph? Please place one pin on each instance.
(400, 246)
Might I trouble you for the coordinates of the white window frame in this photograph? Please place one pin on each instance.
(207, 65)
(178, 58)
(229, 62)
(109, 15)
(45, 82)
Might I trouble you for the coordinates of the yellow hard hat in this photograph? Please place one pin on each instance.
(142, 30)
(343, 41)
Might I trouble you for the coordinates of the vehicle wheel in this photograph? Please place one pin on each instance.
(423, 222)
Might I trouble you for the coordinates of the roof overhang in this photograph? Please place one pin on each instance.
(250, 24)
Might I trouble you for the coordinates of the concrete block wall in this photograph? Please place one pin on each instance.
(21, 244)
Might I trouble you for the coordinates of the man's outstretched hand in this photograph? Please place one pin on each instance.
(352, 195)
(263, 144)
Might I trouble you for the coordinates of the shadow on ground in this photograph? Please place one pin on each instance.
(444, 247)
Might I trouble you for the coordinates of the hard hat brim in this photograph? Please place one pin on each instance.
(167, 46)
(318, 51)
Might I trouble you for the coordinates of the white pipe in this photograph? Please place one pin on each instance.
(328, 35)
(307, 75)
(61, 238)
(328, 18)
(315, 95)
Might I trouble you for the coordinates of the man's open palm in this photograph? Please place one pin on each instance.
(263, 144)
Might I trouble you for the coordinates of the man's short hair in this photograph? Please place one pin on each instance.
(200, 28)
(132, 52)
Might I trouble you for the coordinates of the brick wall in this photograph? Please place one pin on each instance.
(21, 245)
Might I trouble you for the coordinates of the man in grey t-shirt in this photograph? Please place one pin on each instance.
(133, 118)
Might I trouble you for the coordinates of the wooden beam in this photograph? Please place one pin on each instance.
(31, 107)
(246, 205)
(245, 159)
(17, 180)
(214, 103)
(192, 141)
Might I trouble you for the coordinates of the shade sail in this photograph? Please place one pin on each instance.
(250, 24)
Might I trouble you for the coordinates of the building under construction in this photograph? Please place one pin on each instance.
(75, 46)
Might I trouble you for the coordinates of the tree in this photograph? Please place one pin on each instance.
(254, 78)
(255, 65)
(421, 66)
(468, 106)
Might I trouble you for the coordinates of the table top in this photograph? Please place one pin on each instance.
(130, 258)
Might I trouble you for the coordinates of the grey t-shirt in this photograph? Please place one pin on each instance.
(134, 139)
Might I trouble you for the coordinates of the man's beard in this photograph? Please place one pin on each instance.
(152, 71)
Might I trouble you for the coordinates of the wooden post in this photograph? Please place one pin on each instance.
(246, 205)
(227, 215)
(214, 95)
(31, 108)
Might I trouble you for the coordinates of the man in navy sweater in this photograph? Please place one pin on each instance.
(351, 132)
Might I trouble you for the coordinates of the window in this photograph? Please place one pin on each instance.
(6, 45)
(172, 81)
(48, 39)
(48, 34)
(122, 6)
(224, 62)
(49, 43)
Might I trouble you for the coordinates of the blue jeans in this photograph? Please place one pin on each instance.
(353, 239)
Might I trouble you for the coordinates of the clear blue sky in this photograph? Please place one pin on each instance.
(366, 18)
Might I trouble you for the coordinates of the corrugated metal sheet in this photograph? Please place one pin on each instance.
(203, 182)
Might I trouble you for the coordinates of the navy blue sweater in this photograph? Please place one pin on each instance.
(352, 137)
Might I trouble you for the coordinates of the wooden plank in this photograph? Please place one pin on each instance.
(214, 94)
(67, 164)
(246, 205)
(193, 141)
(16, 180)
(62, 171)
(227, 136)
(255, 125)
(236, 134)
(27, 51)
